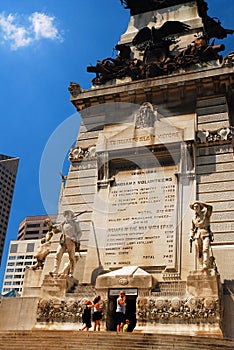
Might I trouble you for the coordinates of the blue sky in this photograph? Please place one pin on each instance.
(44, 45)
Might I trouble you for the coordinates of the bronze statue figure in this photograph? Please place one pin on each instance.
(141, 6)
(147, 36)
(157, 46)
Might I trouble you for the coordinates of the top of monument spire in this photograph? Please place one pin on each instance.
(141, 6)
(159, 43)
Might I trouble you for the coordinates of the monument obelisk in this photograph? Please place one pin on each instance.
(156, 138)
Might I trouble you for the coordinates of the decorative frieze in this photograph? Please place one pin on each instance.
(228, 60)
(188, 310)
(80, 153)
(62, 309)
(223, 134)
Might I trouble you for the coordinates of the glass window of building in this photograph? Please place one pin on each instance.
(8, 277)
(33, 225)
(12, 257)
(16, 283)
(29, 257)
(30, 247)
(14, 248)
(17, 270)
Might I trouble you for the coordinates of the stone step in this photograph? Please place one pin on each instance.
(72, 340)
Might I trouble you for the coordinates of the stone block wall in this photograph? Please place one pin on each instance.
(215, 184)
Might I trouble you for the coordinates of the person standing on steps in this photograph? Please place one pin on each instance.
(120, 311)
(97, 313)
(86, 316)
(125, 327)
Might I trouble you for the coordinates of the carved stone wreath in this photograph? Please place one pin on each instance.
(189, 310)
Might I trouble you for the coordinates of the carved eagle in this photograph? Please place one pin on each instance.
(214, 28)
(157, 35)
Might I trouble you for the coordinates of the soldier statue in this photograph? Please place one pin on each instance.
(201, 232)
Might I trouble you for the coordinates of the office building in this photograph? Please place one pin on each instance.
(8, 171)
(33, 227)
(20, 256)
(21, 252)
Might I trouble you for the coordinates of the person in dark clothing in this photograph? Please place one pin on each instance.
(86, 316)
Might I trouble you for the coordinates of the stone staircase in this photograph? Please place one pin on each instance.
(77, 340)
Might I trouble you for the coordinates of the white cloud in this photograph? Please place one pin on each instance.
(16, 35)
(38, 26)
(43, 26)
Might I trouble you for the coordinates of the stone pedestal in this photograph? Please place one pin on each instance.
(32, 283)
(197, 312)
(57, 287)
(203, 284)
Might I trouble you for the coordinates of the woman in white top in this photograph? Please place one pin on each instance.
(120, 311)
(97, 313)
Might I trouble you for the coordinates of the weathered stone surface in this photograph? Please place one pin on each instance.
(223, 216)
(93, 135)
(221, 238)
(214, 125)
(217, 158)
(80, 198)
(207, 169)
(212, 110)
(206, 102)
(212, 118)
(32, 283)
(127, 277)
(219, 177)
(223, 226)
(216, 196)
(213, 187)
(53, 287)
(213, 150)
(223, 205)
(82, 182)
(73, 189)
(18, 313)
(203, 284)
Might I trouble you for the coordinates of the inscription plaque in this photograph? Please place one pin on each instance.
(141, 218)
(137, 209)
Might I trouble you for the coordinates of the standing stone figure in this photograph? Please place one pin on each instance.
(44, 249)
(201, 233)
(69, 240)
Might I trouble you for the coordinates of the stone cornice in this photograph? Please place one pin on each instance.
(117, 92)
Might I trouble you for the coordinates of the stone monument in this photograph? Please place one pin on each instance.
(156, 136)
